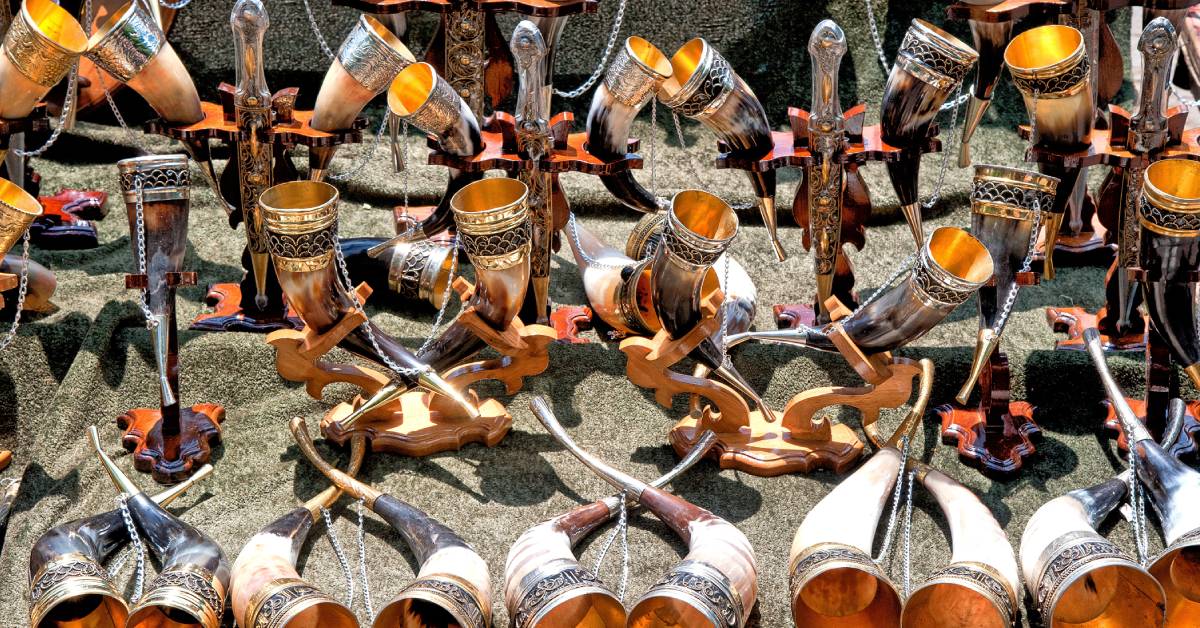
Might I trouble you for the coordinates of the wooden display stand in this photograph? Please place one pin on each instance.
(751, 441)
(419, 423)
(233, 304)
(862, 145)
(8, 281)
(171, 441)
(65, 223)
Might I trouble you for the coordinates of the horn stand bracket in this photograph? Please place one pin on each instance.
(172, 441)
(997, 435)
(1110, 147)
(8, 281)
(746, 439)
(862, 145)
(420, 423)
(233, 306)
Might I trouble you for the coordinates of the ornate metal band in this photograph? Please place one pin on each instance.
(497, 251)
(985, 580)
(13, 223)
(34, 55)
(161, 177)
(466, 54)
(1008, 199)
(1060, 85)
(129, 45)
(689, 249)
(1065, 557)
(1191, 538)
(707, 89)
(646, 235)
(547, 584)
(825, 556)
(629, 81)
(932, 59)
(455, 596)
(627, 299)
(277, 603)
(412, 275)
(440, 112)
(1169, 222)
(369, 59)
(70, 575)
(302, 252)
(193, 590)
(936, 287)
(706, 585)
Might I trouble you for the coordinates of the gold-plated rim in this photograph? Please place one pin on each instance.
(1053, 50)
(12, 196)
(490, 206)
(648, 57)
(298, 207)
(54, 23)
(950, 44)
(283, 599)
(704, 216)
(376, 28)
(411, 88)
(1017, 176)
(960, 256)
(70, 576)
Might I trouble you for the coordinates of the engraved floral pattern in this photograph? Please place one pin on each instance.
(127, 49)
(1067, 562)
(714, 86)
(39, 59)
(369, 60)
(453, 594)
(711, 594)
(549, 588)
(1051, 86)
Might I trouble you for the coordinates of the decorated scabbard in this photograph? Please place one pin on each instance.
(533, 139)
(826, 140)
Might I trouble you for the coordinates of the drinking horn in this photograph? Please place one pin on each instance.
(1049, 66)
(635, 74)
(40, 289)
(43, 43)
(546, 587)
(266, 591)
(493, 221)
(1169, 255)
(715, 585)
(990, 39)
(424, 99)
(1006, 205)
(301, 225)
(370, 57)
(452, 588)
(68, 585)
(410, 271)
(929, 68)
(704, 87)
(951, 267)
(18, 208)
(190, 588)
(1174, 490)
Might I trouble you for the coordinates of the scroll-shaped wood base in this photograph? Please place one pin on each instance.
(227, 315)
(1186, 447)
(170, 460)
(997, 435)
(569, 320)
(420, 423)
(65, 220)
(1073, 320)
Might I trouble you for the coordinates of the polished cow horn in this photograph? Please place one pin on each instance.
(1169, 254)
(952, 266)
(411, 271)
(266, 590)
(833, 580)
(980, 586)
(716, 584)
(1174, 492)
(452, 588)
(494, 228)
(1006, 205)
(635, 74)
(133, 49)
(301, 224)
(546, 587)
(929, 67)
(68, 586)
(369, 58)
(18, 208)
(190, 587)
(704, 87)
(42, 282)
(43, 43)
(990, 39)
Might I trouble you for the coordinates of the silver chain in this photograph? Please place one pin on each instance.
(22, 289)
(341, 557)
(362, 562)
(887, 67)
(139, 550)
(908, 516)
(68, 105)
(574, 229)
(725, 303)
(603, 63)
(366, 157)
(1137, 499)
(1026, 264)
(937, 190)
(692, 169)
(896, 493)
(654, 150)
(905, 266)
(133, 138)
(312, 21)
(621, 530)
(140, 228)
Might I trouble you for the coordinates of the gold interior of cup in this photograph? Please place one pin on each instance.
(324, 615)
(1112, 595)
(683, 65)
(489, 194)
(93, 609)
(960, 254)
(843, 596)
(1177, 178)
(57, 25)
(648, 55)
(297, 196)
(704, 214)
(381, 32)
(947, 605)
(12, 195)
(593, 610)
(1185, 572)
(411, 88)
(1042, 47)
(114, 19)
(165, 617)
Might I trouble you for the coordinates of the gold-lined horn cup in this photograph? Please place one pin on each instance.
(18, 208)
(422, 97)
(300, 218)
(293, 602)
(493, 222)
(1050, 67)
(41, 46)
(187, 596)
(74, 589)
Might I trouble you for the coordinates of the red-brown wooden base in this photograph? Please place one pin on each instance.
(1187, 446)
(1073, 320)
(83, 204)
(199, 431)
(569, 320)
(227, 314)
(793, 315)
(1001, 452)
(770, 449)
(424, 424)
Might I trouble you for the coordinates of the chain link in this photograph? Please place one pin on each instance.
(1026, 264)
(937, 190)
(621, 530)
(887, 67)
(133, 138)
(139, 550)
(896, 494)
(692, 168)
(603, 63)
(908, 516)
(22, 289)
(68, 105)
(312, 22)
(366, 157)
(140, 228)
(341, 557)
(1137, 500)
(362, 562)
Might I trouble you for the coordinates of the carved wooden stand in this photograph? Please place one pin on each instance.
(169, 442)
(233, 304)
(8, 281)
(420, 423)
(863, 144)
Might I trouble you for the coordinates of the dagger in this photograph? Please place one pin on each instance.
(252, 108)
(826, 140)
(533, 139)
